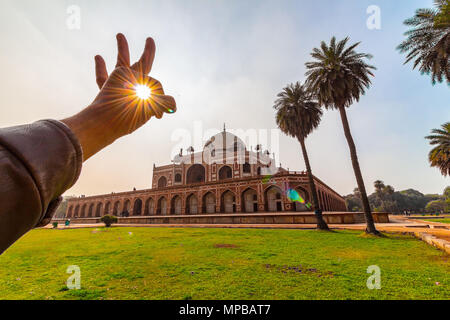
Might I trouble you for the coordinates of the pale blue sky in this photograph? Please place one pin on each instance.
(225, 61)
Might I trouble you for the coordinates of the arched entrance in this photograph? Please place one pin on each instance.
(250, 200)
(274, 200)
(98, 211)
(195, 174)
(162, 182)
(77, 209)
(228, 202)
(126, 208)
(137, 208)
(149, 207)
(225, 173)
(162, 206)
(300, 206)
(107, 208)
(70, 212)
(192, 204)
(83, 211)
(91, 210)
(116, 208)
(175, 205)
(209, 203)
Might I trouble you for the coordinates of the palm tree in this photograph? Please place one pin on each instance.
(428, 41)
(379, 185)
(338, 77)
(440, 155)
(297, 116)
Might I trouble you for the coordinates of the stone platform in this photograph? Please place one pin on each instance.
(243, 218)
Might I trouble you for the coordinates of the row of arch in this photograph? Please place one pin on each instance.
(272, 200)
(197, 173)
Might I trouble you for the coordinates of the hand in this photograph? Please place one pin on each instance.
(117, 110)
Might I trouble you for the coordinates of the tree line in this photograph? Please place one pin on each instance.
(336, 78)
(386, 199)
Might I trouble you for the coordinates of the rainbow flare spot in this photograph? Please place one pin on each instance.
(294, 196)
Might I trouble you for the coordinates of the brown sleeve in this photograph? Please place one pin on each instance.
(38, 162)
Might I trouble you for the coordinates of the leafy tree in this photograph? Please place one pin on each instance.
(436, 206)
(297, 116)
(428, 41)
(353, 203)
(439, 156)
(398, 201)
(338, 76)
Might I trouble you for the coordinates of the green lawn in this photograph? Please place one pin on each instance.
(446, 220)
(195, 263)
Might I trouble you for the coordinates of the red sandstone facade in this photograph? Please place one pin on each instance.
(224, 178)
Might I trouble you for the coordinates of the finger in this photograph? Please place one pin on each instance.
(165, 104)
(123, 56)
(145, 63)
(101, 73)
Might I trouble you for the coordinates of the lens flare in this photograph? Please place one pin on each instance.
(142, 91)
(294, 196)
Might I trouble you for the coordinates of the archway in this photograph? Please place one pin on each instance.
(192, 204)
(77, 209)
(299, 206)
(246, 168)
(175, 206)
(83, 211)
(126, 208)
(225, 173)
(162, 206)
(250, 200)
(91, 211)
(98, 211)
(107, 208)
(137, 208)
(116, 208)
(69, 213)
(195, 174)
(273, 199)
(162, 182)
(149, 207)
(177, 178)
(209, 203)
(228, 202)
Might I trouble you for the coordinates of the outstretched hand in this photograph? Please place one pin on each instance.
(118, 110)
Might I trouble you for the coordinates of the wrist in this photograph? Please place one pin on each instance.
(93, 134)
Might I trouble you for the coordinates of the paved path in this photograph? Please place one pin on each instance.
(397, 224)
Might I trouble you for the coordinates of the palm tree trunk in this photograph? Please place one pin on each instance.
(359, 179)
(321, 224)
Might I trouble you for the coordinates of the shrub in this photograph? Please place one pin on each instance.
(108, 220)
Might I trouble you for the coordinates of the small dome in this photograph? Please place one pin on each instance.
(224, 140)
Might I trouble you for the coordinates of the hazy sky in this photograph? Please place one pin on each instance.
(224, 61)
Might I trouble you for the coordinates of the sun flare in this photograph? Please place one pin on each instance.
(143, 92)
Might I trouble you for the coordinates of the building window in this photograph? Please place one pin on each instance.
(177, 177)
(225, 173)
(162, 182)
(246, 168)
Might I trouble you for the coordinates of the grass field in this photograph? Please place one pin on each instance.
(195, 263)
(446, 220)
